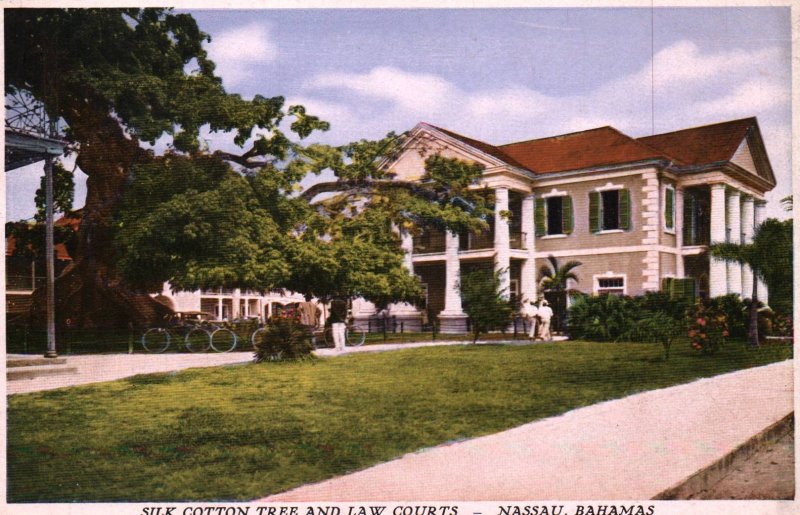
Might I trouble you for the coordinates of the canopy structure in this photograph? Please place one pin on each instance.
(21, 149)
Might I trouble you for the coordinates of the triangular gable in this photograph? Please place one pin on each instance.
(752, 156)
(426, 140)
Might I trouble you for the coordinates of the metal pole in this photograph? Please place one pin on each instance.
(49, 260)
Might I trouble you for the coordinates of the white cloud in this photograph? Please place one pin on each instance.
(236, 50)
(409, 91)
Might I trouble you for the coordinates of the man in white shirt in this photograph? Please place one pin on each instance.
(545, 314)
(529, 312)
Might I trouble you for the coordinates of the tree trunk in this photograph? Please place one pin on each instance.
(90, 293)
(752, 331)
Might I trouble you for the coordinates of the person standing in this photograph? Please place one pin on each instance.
(309, 314)
(529, 312)
(338, 320)
(545, 314)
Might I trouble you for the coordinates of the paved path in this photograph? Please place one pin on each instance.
(95, 368)
(631, 448)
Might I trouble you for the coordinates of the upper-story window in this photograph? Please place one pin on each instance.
(609, 210)
(554, 216)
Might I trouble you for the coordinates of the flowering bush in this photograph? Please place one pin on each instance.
(708, 328)
(782, 325)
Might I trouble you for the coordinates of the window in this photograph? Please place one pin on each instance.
(609, 210)
(669, 209)
(610, 286)
(553, 216)
(555, 224)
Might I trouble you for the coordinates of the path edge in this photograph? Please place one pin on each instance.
(709, 476)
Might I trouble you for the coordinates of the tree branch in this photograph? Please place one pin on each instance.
(243, 160)
(371, 184)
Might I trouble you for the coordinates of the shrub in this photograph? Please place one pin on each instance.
(708, 326)
(284, 338)
(615, 318)
(483, 301)
(735, 311)
(659, 328)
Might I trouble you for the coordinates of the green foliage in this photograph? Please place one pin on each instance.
(658, 327)
(285, 338)
(622, 318)
(735, 311)
(63, 192)
(483, 301)
(30, 238)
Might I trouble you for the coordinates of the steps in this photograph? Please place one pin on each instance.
(32, 367)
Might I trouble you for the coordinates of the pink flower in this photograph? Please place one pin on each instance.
(701, 321)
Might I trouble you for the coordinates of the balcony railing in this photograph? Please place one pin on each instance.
(429, 242)
(518, 240)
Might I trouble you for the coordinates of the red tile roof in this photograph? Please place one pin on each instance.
(73, 221)
(606, 146)
(703, 145)
(586, 149)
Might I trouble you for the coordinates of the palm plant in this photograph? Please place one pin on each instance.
(769, 256)
(554, 277)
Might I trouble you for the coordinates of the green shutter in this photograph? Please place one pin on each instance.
(538, 217)
(567, 218)
(669, 209)
(688, 219)
(624, 209)
(666, 284)
(594, 211)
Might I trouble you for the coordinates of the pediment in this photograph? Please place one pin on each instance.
(751, 156)
(426, 141)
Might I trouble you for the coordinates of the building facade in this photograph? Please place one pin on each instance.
(633, 211)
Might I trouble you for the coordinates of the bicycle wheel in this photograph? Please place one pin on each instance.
(257, 335)
(327, 338)
(156, 340)
(223, 340)
(355, 337)
(197, 340)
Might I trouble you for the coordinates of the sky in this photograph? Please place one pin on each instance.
(504, 75)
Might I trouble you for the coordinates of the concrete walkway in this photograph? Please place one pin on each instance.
(95, 368)
(631, 448)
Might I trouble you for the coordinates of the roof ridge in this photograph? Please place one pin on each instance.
(749, 118)
(558, 136)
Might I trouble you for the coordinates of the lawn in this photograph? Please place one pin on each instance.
(243, 432)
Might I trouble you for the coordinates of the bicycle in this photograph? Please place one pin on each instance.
(352, 336)
(158, 339)
(198, 336)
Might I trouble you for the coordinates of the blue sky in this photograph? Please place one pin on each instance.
(504, 75)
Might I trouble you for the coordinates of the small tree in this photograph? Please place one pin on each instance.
(483, 300)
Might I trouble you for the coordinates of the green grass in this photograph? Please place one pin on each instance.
(242, 432)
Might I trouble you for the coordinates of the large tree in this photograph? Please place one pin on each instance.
(769, 256)
(118, 78)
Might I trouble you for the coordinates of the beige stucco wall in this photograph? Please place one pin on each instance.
(410, 166)
(581, 237)
(668, 264)
(628, 264)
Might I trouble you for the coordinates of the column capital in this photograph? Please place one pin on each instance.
(719, 186)
(732, 192)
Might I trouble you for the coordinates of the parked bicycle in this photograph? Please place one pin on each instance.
(195, 330)
(353, 336)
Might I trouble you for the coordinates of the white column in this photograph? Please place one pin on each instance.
(219, 307)
(760, 215)
(528, 271)
(407, 244)
(735, 226)
(236, 300)
(717, 269)
(502, 240)
(452, 318)
(748, 227)
(452, 295)
(679, 265)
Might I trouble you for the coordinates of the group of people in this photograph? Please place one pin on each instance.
(309, 318)
(538, 318)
